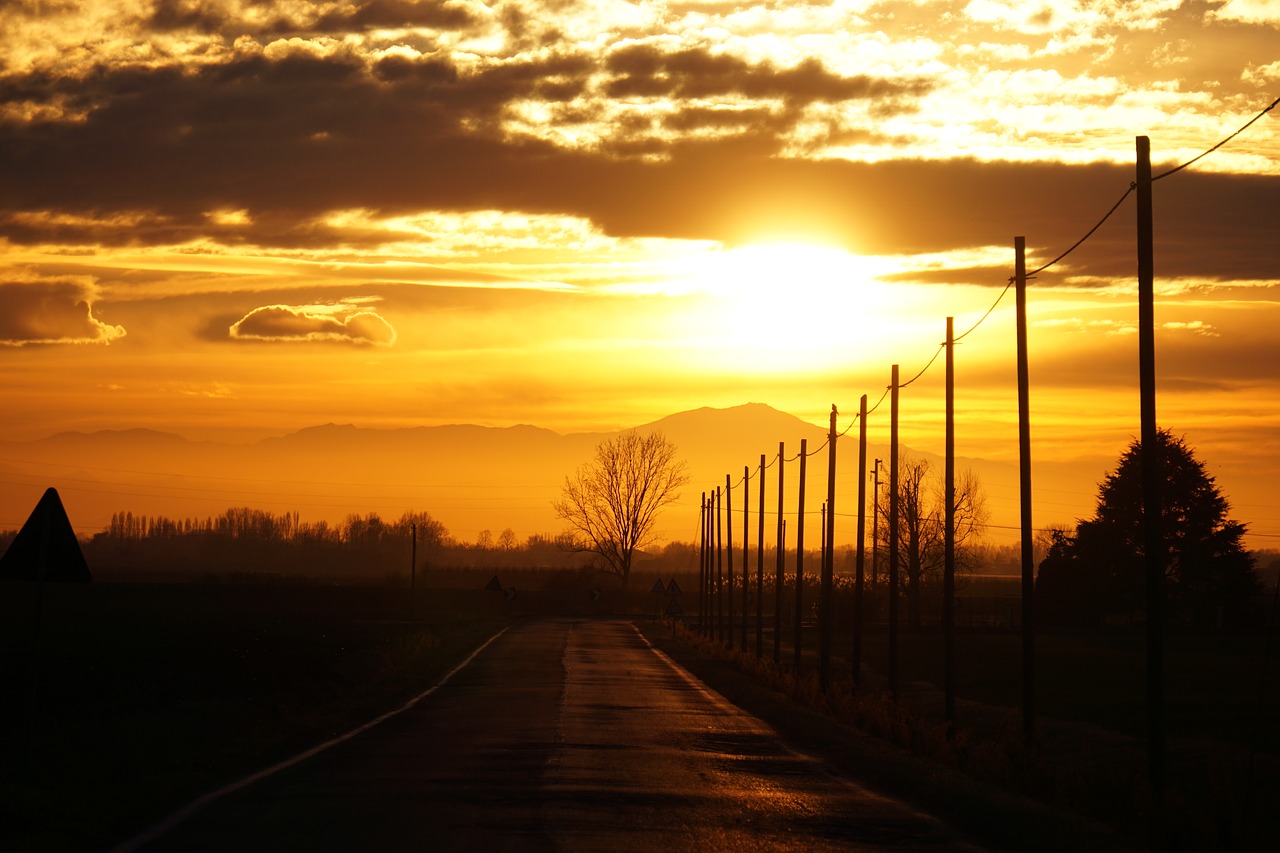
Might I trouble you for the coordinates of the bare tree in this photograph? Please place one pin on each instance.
(921, 537)
(612, 502)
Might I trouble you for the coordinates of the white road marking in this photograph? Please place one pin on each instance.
(149, 835)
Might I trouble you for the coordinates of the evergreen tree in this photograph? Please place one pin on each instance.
(1210, 575)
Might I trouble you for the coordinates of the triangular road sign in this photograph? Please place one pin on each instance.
(47, 533)
(673, 608)
(493, 585)
(673, 588)
(658, 588)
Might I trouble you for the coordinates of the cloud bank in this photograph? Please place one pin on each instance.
(51, 312)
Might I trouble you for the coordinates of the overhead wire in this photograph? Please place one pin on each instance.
(1243, 128)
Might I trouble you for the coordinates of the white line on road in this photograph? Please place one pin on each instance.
(196, 805)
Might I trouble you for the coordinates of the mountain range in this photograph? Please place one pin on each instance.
(469, 477)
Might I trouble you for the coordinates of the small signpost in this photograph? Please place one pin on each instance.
(672, 590)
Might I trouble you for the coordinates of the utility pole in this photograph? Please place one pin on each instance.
(780, 569)
(728, 531)
(893, 533)
(746, 577)
(760, 568)
(875, 529)
(949, 540)
(702, 564)
(825, 610)
(860, 542)
(413, 557)
(719, 573)
(799, 627)
(1152, 473)
(1024, 488)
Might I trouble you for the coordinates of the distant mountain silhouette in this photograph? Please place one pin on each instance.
(469, 477)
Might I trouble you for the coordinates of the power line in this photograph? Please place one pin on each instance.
(1077, 244)
(1177, 169)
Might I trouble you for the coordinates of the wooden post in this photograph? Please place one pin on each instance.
(1153, 539)
(719, 571)
(949, 540)
(826, 612)
(746, 585)
(799, 626)
(1024, 489)
(860, 543)
(728, 550)
(702, 562)
(875, 529)
(780, 569)
(893, 533)
(760, 567)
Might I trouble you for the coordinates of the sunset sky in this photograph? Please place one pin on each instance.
(232, 219)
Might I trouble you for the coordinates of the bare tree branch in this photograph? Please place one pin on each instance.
(612, 502)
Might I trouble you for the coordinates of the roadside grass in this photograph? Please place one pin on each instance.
(1086, 766)
(149, 695)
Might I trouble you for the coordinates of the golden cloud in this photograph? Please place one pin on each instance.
(344, 322)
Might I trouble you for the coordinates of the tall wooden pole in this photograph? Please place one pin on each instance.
(702, 565)
(413, 558)
(875, 529)
(1153, 540)
(826, 612)
(799, 626)
(1024, 490)
(949, 539)
(719, 588)
(893, 533)
(728, 549)
(860, 543)
(760, 567)
(780, 569)
(746, 576)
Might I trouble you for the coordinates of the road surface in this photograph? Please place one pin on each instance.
(566, 734)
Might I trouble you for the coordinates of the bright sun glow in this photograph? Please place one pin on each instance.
(788, 303)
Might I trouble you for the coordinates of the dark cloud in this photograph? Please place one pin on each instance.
(50, 312)
(291, 138)
(648, 71)
(216, 18)
(293, 323)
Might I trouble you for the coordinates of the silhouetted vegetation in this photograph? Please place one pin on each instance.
(612, 502)
(1096, 575)
(244, 543)
(921, 532)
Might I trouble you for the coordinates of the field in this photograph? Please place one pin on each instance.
(143, 696)
(1090, 755)
(148, 695)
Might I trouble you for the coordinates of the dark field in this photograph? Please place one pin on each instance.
(1222, 700)
(149, 695)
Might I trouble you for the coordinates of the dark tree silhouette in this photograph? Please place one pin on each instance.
(921, 537)
(611, 503)
(1099, 571)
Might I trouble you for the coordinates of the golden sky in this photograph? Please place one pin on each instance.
(230, 219)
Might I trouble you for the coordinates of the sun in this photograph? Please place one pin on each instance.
(781, 305)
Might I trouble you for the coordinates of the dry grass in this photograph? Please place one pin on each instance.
(1094, 773)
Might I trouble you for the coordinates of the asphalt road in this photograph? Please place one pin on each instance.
(561, 735)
